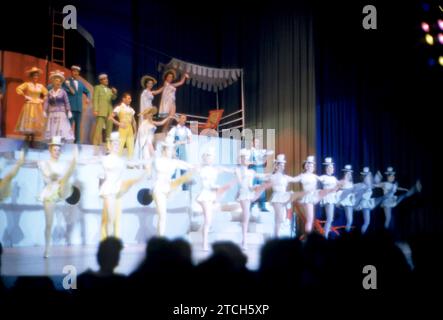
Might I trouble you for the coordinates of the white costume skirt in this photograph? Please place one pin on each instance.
(389, 202)
(109, 188)
(281, 197)
(366, 204)
(207, 195)
(245, 194)
(311, 197)
(349, 201)
(330, 198)
(53, 192)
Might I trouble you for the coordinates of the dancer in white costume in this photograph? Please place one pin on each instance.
(247, 192)
(309, 182)
(390, 187)
(57, 186)
(164, 167)
(280, 196)
(346, 196)
(5, 182)
(148, 94)
(113, 188)
(144, 143)
(210, 190)
(364, 200)
(329, 182)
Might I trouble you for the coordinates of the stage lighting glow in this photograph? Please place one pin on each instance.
(425, 6)
(440, 60)
(429, 39)
(431, 62)
(425, 26)
(440, 38)
(440, 23)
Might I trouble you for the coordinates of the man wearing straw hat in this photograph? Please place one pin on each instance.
(102, 103)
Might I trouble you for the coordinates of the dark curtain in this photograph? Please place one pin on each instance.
(133, 37)
(375, 100)
(275, 47)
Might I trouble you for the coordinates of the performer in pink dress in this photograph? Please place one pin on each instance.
(167, 102)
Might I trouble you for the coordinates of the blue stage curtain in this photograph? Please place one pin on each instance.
(374, 105)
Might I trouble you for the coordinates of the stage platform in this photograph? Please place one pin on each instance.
(29, 261)
(76, 231)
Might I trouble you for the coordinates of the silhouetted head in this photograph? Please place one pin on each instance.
(108, 255)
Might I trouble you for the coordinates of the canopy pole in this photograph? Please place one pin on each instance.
(242, 100)
(216, 100)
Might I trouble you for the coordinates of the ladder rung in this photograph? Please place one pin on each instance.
(57, 36)
(61, 61)
(57, 48)
(57, 24)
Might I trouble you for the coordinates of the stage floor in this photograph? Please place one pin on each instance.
(21, 261)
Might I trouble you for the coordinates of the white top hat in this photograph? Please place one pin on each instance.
(102, 76)
(280, 159)
(75, 67)
(310, 159)
(114, 136)
(245, 153)
(55, 141)
(347, 168)
(390, 171)
(365, 171)
(328, 161)
(57, 74)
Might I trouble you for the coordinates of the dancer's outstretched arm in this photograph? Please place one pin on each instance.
(158, 91)
(181, 82)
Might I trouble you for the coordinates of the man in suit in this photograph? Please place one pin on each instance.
(102, 102)
(76, 89)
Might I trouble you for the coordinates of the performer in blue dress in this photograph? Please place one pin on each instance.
(258, 160)
(182, 136)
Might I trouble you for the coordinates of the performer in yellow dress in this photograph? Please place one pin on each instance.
(126, 124)
(31, 121)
